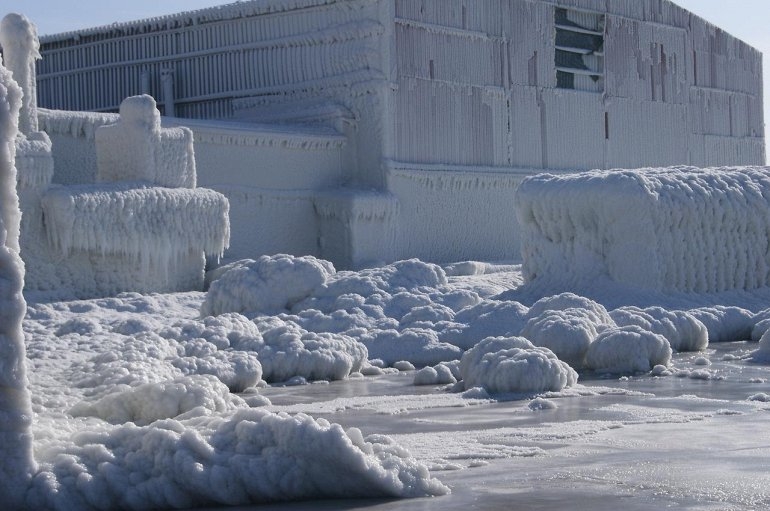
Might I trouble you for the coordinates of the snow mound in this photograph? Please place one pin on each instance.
(251, 457)
(269, 284)
(628, 349)
(725, 324)
(440, 374)
(163, 400)
(568, 333)
(593, 311)
(488, 318)
(420, 346)
(514, 365)
(704, 230)
(682, 330)
(290, 351)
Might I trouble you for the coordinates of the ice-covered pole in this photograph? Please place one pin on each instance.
(17, 465)
(18, 39)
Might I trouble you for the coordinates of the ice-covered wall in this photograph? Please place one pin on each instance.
(16, 462)
(477, 84)
(667, 229)
(451, 213)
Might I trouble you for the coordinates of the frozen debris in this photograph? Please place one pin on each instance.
(660, 370)
(403, 365)
(514, 365)
(269, 284)
(761, 397)
(702, 361)
(724, 323)
(705, 230)
(162, 400)
(171, 464)
(682, 330)
(628, 349)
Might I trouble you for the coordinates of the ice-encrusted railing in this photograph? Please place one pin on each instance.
(145, 207)
(664, 229)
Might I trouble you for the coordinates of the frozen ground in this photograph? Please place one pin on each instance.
(129, 391)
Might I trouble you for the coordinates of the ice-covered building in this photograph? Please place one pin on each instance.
(397, 128)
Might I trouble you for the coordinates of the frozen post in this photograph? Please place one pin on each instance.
(16, 463)
(18, 38)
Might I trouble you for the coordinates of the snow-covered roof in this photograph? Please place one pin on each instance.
(235, 10)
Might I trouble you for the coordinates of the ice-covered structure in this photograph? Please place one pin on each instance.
(671, 230)
(401, 128)
(143, 226)
(16, 463)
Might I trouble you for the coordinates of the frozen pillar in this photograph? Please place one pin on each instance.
(17, 465)
(18, 38)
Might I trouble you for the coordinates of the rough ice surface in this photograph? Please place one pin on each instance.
(673, 229)
(16, 463)
(514, 365)
(627, 349)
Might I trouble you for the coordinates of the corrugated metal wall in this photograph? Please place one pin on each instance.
(235, 56)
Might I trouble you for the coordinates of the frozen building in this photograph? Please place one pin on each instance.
(371, 130)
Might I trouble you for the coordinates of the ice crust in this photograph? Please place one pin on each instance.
(663, 229)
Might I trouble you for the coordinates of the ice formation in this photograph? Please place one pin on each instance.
(675, 229)
(156, 225)
(136, 148)
(681, 329)
(514, 365)
(627, 349)
(16, 463)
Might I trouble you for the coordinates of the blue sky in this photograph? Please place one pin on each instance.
(746, 19)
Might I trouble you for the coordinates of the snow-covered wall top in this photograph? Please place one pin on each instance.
(666, 229)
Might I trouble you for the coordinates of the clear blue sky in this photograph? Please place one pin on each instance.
(746, 19)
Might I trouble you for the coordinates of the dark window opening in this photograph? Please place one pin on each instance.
(579, 55)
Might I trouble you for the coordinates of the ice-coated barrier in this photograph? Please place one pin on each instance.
(665, 229)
